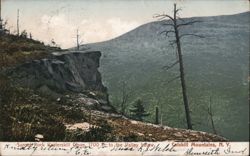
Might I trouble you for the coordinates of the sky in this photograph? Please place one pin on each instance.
(101, 20)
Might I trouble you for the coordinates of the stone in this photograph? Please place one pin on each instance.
(88, 102)
(85, 126)
(39, 137)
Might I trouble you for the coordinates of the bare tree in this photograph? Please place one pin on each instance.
(80, 41)
(77, 40)
(31, 36)
(210, 113)
(1, 25)
(156, 115)
(17, 22)
(124, 97)
(175, 24)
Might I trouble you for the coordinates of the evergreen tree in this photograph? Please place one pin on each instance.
(138, 111)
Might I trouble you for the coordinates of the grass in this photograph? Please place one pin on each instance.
(24, 113)
(15, 50)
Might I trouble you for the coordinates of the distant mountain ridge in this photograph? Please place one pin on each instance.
(215, 66)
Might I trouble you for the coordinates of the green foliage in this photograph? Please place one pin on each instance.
(213, 67)
(138, 112)
(24, 34)
(208, 74)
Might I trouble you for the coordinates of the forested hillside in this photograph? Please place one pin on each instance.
(216, 69)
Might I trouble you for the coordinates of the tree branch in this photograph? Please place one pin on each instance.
(191, 35)
(163, 16)
(210, 113)
(177, 10)
(166, 32)
(172, 42)
(167, 67)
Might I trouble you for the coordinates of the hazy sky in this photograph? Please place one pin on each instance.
(100, 20)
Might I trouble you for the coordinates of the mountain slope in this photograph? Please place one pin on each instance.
(216, 68)
(60, 97)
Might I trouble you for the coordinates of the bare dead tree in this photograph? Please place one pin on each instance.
(156, 115)
(124, 97)
(31, 36)
(17, 22)
(1, 25)
(77, 40)
(158, 107)
(210, 113)
(80, 41)
(175, 24)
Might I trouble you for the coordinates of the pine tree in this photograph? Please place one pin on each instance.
(138, 112)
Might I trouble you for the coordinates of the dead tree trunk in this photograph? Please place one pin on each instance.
(77, 40)
(183, 83)
(1, 24)
(175, 24)
(210, 113)
(124, 98)
(156, 115)
(17, 23)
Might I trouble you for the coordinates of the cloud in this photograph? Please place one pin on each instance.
(120, 26)
(64, 32)
(58, 29)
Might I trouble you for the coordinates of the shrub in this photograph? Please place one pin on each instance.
(23, 117)
(75, 114)
(131, 137)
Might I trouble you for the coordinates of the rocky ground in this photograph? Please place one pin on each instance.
(125, 129)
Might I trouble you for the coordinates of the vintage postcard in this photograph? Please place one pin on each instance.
(124, 77)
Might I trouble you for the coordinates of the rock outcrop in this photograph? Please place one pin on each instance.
(74, 72)
(64, 72)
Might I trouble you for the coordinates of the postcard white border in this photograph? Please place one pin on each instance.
(169, 148)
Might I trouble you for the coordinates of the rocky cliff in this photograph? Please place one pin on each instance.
(64, 73)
